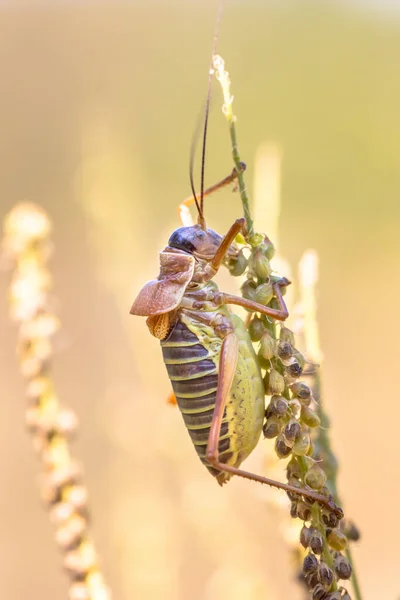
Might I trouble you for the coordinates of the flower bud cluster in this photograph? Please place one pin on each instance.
(26, 244)
(290, 419)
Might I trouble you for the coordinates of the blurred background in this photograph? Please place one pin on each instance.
(98, 105)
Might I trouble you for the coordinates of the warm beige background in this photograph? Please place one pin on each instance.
(97, 107)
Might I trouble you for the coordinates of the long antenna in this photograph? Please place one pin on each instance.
(210, 74)
(200, 207)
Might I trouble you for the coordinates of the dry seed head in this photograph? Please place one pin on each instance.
(284, 350)
(304, 513)
(316, 542)
(300, 390)
(293, 469)
(281, 448)
(278, 405)
(342, 567)
(295, 369)
(305, 536)
(310, 564)
(334, 596)
(272, 427)
(318, 592)
(325, 575)
(329, 518)
(292, 430)
(351, 531)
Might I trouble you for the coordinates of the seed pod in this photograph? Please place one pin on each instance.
(305, 536)
(337, 540)
(302, 445)
(272, 427)
(309, 417)
(292, 430)
(278, 405)
(264, 293)
(318, 592)
(293, 509)
(256, 329)
(238, 265)
(315, 478)
(284, 350)
(294, 369)
(293, 469)
(268, 249)
(351, 531)
(300, 390)
(329, 518)
(334, 596)
(267, 345)
(310, 564)
(316, 542)
(325, 575)
(342, 567)
(261, 265)
(286, 335)
(281, 447)
(346, 595)
(276, 382)
(304, 512)
(249, 290)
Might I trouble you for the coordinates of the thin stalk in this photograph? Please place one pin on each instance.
(227, 108)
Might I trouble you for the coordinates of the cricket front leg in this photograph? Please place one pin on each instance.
(227, 369)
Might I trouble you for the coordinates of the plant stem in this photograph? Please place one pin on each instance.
(224, 79)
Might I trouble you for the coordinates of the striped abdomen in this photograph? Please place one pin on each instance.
(194, 376)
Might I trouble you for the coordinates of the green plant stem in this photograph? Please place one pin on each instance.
(223, 77)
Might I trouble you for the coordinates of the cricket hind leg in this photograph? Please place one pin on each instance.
(227, 368)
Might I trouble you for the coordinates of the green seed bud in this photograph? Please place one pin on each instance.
(310, 564)
(256, 329)
(256, 240)
(249, 290)
(284, 350)
(300, 390)
(325, 575)
(261, 265)
(272, 427)
(286, 335)
(276, 382)
(304, 512)
(238, 265)
(342, 567)
(315, 478)
(309, 417)
(267, 248)
(267, 346)
(302, 445)
(337, 540)
(318, 592)
(292, 430)
(281, 447)
(317, 543)
(264, 293)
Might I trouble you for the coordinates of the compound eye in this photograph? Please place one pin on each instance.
(200, 235)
